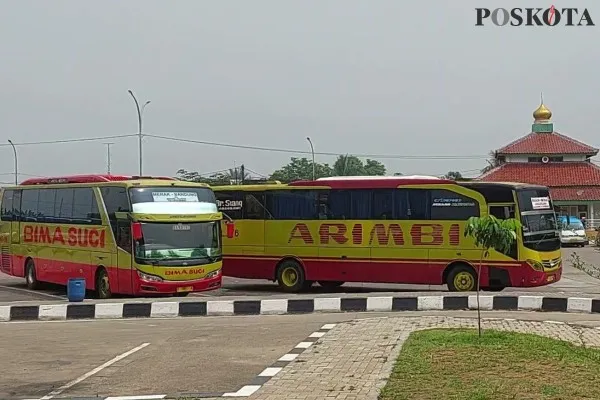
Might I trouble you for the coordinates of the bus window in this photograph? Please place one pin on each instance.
(292, 204)
(46, 205)
(448, 205)
(29, 205)
(85, 208)
(63, 211)
(418, 204)
(253, 206)
(230, 203)
(7, 205)
(383, 204)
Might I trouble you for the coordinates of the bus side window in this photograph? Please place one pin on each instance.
(293, 204)
(230, 203)
(383, 204)
(116, 200)
(7, 205)
(452, 206)
(29, 205)
(254, 207)
(418, 204)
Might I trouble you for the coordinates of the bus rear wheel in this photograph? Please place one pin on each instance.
(102, 285)
(290, 276)
(31, 276)
(462, 278)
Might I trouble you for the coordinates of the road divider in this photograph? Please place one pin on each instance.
(170, 309)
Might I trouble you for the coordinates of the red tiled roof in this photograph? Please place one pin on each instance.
(547, 143)
(584, 193)
(551, 174)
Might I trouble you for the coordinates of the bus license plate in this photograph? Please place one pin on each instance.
(185, 289)
(550, 278)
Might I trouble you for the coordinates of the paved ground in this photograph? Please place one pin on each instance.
(353, 360)
(208, 354)
(573, 282)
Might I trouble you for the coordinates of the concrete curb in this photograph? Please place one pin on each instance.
(170, 309)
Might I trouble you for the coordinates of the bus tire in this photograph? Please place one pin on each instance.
(331, 284)
(31, 275)
(102, 284)
(462, 278)
(290, 276)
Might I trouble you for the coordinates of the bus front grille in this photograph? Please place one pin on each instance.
(551, 264)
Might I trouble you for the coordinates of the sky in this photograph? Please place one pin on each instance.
(414, 81)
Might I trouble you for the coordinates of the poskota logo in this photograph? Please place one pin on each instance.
(551, 16)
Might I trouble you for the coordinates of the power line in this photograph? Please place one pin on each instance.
(279, 150)
(70, 140)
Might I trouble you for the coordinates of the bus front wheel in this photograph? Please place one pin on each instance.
(102, 284)
(290, 276)
(462, 278)
(31, 276)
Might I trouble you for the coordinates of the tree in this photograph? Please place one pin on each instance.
(493, 162)
(352, 166)
(454, 175)
(489, 232)
(299, 169)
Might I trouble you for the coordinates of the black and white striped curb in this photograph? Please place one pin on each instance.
(244, 391)
(168, 309)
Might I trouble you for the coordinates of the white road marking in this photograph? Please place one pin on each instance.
(150, 397)
(243, 392)
(35, 292)
(92, 372)
(271, 371)
(292, 356)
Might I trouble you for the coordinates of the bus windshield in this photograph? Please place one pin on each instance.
(173, 200)
(540, 230)
(173, 243)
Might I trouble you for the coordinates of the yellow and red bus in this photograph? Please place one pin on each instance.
(407, 230)
(123, 235)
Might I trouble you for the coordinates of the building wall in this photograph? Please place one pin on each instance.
(524, 157)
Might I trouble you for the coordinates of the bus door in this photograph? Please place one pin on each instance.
(124, 255)
(11, 234)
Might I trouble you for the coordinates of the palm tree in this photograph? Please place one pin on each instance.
(493, 162)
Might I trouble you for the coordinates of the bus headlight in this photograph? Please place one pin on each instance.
(212, 274)
(536, 265)
(149, 278)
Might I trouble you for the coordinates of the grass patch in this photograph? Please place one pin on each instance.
(454, 364)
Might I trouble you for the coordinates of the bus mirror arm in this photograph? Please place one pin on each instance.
(230, 225)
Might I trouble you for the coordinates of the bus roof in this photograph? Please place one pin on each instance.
(101, 179)
(512, 185)
(347, 182)
(374, 182)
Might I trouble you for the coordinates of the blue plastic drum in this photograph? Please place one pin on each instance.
(76, 289)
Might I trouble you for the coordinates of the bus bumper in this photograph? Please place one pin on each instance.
(527, 277)
(178, 287)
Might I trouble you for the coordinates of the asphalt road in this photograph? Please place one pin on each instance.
(163, 356)
(573, 282)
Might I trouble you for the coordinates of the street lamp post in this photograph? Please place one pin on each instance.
(312, 151)
(140, 112)
(16, 162)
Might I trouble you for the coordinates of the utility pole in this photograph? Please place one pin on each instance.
(16, 162)
(312, 150)
(108, 157)
(242, 173)
(140, 112)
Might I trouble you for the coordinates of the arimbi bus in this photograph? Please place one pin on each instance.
(407, 229)
(125, 235)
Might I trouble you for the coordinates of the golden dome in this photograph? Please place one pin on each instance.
(542, 113)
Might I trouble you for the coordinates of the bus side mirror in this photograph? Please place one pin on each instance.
(230, 225)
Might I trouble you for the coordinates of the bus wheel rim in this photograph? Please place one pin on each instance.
(289, 276)
(104, 285)
(464, 281)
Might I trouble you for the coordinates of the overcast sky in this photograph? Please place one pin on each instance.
(360, 77)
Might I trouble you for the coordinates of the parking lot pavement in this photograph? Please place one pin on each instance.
(14, 289)
(206, 355)
(165, 356)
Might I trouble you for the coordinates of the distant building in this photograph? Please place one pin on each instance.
(546, 157)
